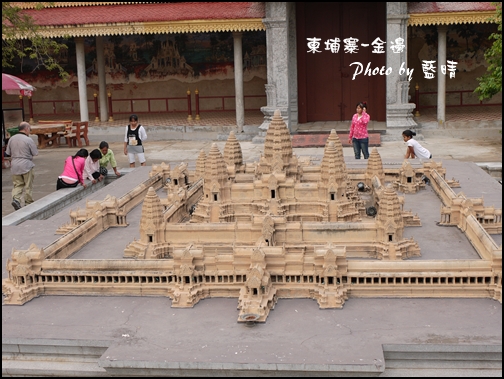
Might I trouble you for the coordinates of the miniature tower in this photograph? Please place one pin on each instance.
(233, 153)
(200, 166)
(151, 223)
(350, 191)
(278, 155)
(334, 138)
(334, 184)
(374, 167)
(152, 234)
(216, 188)
(278, 141)
(332, 172)
(390, 224)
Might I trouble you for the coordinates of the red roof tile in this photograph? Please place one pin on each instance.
(426, 7)
(146, 13)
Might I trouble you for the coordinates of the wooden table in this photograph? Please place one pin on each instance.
(47, 134)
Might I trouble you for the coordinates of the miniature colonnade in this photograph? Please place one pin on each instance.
(262, 231)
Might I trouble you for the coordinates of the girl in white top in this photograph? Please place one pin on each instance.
(414, 150)
(92, 167)
(133, 141)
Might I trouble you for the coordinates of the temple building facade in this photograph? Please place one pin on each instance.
(304, 59)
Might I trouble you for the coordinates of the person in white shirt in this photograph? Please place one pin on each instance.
(92, 167)
(133, 141)
(414, 150)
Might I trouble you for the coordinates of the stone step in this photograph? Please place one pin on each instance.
(52, 368)
(75, 358)
(456, 357)
(494, 169)
(52, 357)
(439, 373)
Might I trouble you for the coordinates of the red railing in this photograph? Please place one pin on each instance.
(449, 103)
(162, 107)
(57, 107)
(136, 105)
(10, 104)
(222, 106)
(47, 107)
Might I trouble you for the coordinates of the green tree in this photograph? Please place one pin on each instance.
(21, 40)
(491, 83)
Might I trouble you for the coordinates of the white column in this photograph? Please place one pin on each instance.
(238, 71)
(278, 63)
(399, 109)
(102, 82)
(81, 78)
(441, 79)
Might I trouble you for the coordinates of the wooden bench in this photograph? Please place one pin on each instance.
(47, 134)
(78, 133)
(75, 131)
(68, 127)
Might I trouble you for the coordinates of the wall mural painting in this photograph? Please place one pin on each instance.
(145, 58)
(466, 44)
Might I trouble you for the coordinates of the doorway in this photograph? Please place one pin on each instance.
(326, 90)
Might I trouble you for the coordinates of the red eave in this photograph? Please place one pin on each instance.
(154, 12)
(427, 7)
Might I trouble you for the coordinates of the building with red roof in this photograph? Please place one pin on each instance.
(308, 69)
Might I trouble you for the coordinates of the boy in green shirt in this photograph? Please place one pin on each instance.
(107, 157)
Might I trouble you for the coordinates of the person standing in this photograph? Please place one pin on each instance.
(133, 141)
(358, 135)
(414, 149)
(22, 149)
(107, 157)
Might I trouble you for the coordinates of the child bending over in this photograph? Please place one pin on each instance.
(414, 150)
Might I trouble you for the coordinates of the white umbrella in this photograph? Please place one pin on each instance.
(12, 85)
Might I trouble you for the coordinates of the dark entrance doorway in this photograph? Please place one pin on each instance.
(326, 91)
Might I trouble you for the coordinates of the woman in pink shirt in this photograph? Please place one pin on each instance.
(359, 136)
(73, 171)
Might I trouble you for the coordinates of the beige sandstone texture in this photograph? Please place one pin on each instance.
(280, 227)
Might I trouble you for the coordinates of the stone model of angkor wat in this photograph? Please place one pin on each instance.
(278, 228)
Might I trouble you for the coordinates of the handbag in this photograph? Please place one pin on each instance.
(78, 176)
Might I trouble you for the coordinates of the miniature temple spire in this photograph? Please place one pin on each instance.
(389, 215)
(215, 167)
(200, 165)
(332, 165)
(334, 138)
(375, 166)
(233, 152)
(278, 140)
(151, 222)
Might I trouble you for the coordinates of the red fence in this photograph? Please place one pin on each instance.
(451, 101)
(218, 103)
(148, 105)
(139, 105)
(47, 107)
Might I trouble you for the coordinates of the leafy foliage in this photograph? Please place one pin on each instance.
(491, 83)
(21, 40)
